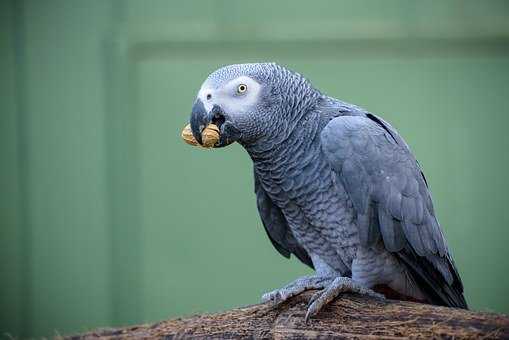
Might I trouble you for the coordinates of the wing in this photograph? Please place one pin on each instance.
(277, 227)
(393, 202)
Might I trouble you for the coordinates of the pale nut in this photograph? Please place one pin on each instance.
(209, 136)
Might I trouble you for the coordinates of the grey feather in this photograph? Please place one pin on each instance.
(277, 228)
(395, 183)
(392, 232)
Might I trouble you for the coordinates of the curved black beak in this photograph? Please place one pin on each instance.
(200, 118)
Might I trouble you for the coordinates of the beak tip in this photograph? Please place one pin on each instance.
(198, 138)
(199, 117)
(197, 134)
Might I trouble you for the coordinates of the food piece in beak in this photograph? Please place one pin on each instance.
(209, 136)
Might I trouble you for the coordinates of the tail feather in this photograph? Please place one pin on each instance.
(432, 282)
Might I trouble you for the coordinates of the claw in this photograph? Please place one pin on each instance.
(308, 316)
(314, 297)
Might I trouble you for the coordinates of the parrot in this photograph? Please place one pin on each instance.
(336, 186)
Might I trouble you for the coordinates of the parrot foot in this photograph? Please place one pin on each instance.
(296, 287)
(339, 285)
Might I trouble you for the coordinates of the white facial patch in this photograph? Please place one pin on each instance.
(235, 97)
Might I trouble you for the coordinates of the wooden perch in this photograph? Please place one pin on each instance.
(350, 316)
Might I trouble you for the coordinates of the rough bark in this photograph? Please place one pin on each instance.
(350, 316)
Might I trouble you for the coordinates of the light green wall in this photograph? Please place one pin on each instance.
(60, 243)
(11, 232)
(107, 218)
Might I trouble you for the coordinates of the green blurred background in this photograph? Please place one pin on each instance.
(107, 218)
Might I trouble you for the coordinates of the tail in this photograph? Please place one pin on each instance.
(436, 277)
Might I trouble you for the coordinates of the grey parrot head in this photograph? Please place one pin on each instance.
(251, 102)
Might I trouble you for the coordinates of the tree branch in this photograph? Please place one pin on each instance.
(350, 316)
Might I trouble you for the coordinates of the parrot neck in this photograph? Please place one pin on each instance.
(294, 116)
(277, 154)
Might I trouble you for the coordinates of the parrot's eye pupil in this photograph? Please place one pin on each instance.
(242, 88)
(209, 96)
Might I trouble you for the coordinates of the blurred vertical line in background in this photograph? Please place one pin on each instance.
(25, 238)
(122, 172)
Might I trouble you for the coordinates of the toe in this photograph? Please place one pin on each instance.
(321, 299)
(376, 295)
(270, 296)
(276, 297)
(294, 288)
(279, 297)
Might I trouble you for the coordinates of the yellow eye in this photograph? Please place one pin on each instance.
(242, 88)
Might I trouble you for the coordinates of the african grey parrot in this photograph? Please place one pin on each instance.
(335, 185)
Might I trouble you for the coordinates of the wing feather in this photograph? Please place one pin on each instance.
(392, 200)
